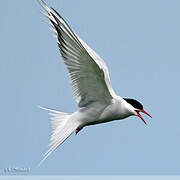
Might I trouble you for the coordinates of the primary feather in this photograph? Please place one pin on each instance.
(88, 72)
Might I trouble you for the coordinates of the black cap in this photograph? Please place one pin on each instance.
(134, 103)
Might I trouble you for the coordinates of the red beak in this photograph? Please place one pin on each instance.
(143, 111)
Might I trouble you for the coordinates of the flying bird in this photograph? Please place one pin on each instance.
(91, 86)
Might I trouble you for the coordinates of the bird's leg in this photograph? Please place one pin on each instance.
(78, 129)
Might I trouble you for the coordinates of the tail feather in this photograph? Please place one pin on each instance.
(63, 126)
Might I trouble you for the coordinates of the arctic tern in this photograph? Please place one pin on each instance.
(91, 86)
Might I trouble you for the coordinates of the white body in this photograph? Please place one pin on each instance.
(103, 111)
(90, 84)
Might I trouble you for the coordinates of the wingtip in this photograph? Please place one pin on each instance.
(41, 2)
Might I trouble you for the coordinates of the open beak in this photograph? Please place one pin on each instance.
(143, 111)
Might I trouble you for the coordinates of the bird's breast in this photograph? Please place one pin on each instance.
(113, 111)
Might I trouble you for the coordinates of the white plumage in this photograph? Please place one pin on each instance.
(90, 82)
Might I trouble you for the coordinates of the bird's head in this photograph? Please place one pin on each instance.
(138, 107)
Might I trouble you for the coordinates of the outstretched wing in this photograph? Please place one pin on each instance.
(88, 72)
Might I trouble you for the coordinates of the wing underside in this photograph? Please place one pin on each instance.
(88, 73)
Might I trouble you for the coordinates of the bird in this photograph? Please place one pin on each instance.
(91, 86)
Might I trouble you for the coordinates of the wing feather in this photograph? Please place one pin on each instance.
(88, 73)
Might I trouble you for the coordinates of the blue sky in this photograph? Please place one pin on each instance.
(139, 40)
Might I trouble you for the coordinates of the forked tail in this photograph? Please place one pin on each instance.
(63, 126)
